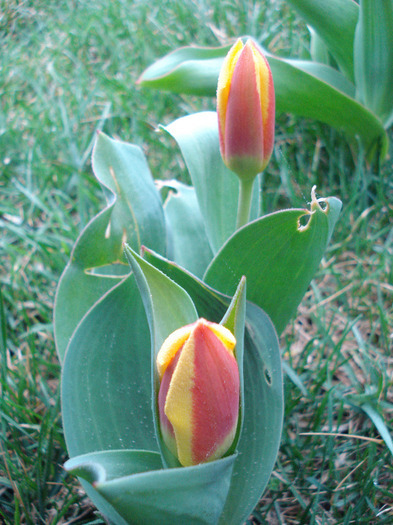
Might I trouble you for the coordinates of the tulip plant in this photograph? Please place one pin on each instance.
(346, 83)
(167, 317)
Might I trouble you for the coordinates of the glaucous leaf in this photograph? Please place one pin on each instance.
(180, 70)
(186, 229)
(148, 494)
(263, 396)
(168, 307)
(106, 382)
(278, 255)
(216, 187)
(97, 262)
(311, 90)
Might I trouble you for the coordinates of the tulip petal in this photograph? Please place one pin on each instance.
(246, 110)
(202, 401)
(167, 431)
(171, 346)
(178, 405)
(215, 397)
(224, 85)
(244, 124)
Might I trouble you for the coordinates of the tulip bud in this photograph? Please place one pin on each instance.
(246, 110)
(198, 399)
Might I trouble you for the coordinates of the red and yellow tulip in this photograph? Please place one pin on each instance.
(198, 399)
(246, 110)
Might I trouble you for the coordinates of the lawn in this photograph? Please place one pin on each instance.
(67, 70)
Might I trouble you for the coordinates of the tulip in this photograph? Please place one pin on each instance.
(246, 110)
(198, 399)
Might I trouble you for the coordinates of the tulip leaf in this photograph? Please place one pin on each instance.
(318, 49)
(168, 307)
(186, 230)
(181, 71)
(105, 465)
(97, 262)
(374, 58)
(312, 91)
(169, 497)
(278, 255)
(263, 416)
(326, 73)
(106, 384)
(263, 396)
(234, 319)
(302, 92)
(335, 22)
(216, 187)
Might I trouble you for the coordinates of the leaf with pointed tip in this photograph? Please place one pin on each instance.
(335, 22)
(149, 494)
(278, 256)
(303, 88)
(180, 70)
(263, 397)
(97, 263)
(106, 384)
(168, 307)
(216, 187)
(374, 58)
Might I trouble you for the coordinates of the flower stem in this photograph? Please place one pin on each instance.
(244, 206)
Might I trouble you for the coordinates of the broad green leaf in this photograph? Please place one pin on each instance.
(318, 50)
(298, 91)
(97, 262)
(168, 307)
(105, 465)
(326, 73)
(186, 230)
(181, 71)
(216, 187)
(335, 22)
(311, 90)
(195, 495)
(278, 255)
(106, 383)
(263, 397)
(234, 319)
(263, 414)
(374, 58)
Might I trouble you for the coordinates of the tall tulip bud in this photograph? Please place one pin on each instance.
(198, 399)
(246, 110)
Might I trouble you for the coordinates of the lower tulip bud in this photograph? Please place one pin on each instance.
(199, 392)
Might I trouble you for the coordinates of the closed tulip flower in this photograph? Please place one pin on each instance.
(199, 392)
(246, 110)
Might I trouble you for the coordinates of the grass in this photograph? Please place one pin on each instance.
(69, 69)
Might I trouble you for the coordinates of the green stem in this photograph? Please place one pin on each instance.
(244, 206)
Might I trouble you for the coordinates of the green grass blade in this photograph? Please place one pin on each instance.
(380, 425)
